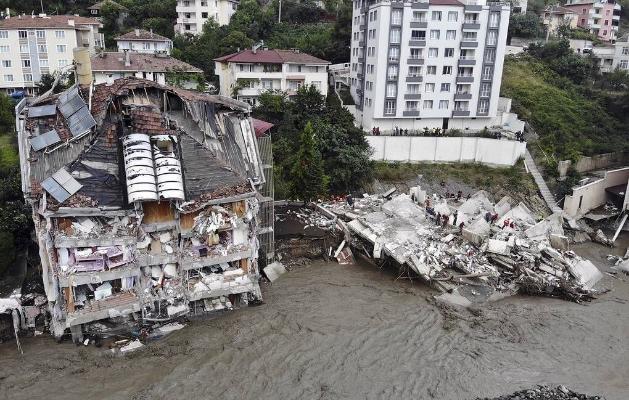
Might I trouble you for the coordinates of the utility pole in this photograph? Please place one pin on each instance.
(279, 14)
(41, 2)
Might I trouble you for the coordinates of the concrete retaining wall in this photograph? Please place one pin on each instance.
(446, 149)
(599, 161)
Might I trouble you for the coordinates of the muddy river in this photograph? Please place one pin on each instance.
(350, 332)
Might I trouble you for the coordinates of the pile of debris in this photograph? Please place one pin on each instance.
(545, 393)
(452, 243)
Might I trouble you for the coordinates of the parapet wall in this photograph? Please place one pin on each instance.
(446, 149)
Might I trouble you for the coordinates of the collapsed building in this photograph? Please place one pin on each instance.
(145, 202)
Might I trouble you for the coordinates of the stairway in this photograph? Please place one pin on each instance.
(541, 184)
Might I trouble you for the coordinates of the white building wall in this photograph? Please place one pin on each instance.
(192, 14)
(621, 55)
(588, 197)
(145, 46)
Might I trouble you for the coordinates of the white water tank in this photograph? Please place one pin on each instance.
(167, 168)
(139, 169)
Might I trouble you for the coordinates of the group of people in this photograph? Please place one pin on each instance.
(444, 219)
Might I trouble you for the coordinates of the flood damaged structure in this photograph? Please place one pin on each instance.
(145, 202)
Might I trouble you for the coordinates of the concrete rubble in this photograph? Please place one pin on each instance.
(469, 248)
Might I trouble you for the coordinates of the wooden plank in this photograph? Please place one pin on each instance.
(67, 291)
(155, 212)
(186, 221)
(239, 208)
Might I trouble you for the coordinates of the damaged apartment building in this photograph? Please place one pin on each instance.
(145, 202)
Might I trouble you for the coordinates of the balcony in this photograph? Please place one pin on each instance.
(471, 25)
(410, 113)
(419, 5)
(361, 43)
(392, 77)
(415, 61)
(394, 60)
(391, 96)
(461, 113)
(473, 8)
(389, 111)
(463, 96)
(421, 24)
(469, 44)
(414, 78)
(417, 42)
(467, 60)
(486, 77)
(465, 78)
(412, 96)
(362, 27)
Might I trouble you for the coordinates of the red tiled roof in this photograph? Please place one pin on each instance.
(51, 21)
(114, 61)
(271, 57)
(445, 3)
(142, 35)
(260, 126)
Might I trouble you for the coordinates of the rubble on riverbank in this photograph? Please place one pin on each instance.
(468, 247)
(545, 393)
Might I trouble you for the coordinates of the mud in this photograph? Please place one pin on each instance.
(350, 332)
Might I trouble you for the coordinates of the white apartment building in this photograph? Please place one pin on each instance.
(621, 54)
(246, 74)
(192, 14)
(144, 41)
(436, 63)
(32, 46)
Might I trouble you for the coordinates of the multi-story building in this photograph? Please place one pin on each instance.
(558, 16)
(144, 202)
(246, 74)
(600, 17)
(32, 46)
(157, 67)
(192, 14)
(144, 41)
(432, 64)
(621, 54)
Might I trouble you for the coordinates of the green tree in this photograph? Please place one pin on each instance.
(7, 119)
(527, 25)
(308, 177)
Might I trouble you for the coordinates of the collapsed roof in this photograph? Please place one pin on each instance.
(74, 147)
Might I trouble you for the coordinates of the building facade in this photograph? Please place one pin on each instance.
(246, 74)
(557, 16)
(600, 17)
(157, 67)
(32, 46)
(621, 54)
(192, 14)
(151, 213)
(144, 41)
(435, 64)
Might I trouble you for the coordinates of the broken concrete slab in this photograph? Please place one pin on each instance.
(274, 271)
(559, 242)
(586, 273)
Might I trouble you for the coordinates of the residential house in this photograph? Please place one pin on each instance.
(145, 202)
(435, 64)
(144, 41)
(157, 67)
(556, 16)
(32, 46)
(621, 54)
(193, 14)
(600, 17)
(246, 74)
(95, 10)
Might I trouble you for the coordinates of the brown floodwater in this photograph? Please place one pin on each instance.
(350, 332)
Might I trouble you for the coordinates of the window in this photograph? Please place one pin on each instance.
(443, 104)
(487, 72)
(6, 63)
(41, 34)
(494, 19)
(394, 54)
(28, 77)
(490, 55)
(414, 71)
(394, 35)
(391, 90)
(60, 34)
(419, 16)
(461, 106)
(492, 38)
(447, 70)
(186, 27)
(42, 48)
(62, 63)
(8, 78)
(448, 52)
(21, 34)
(389, 107)
(452, 16)
(469, 35)
(606, 22)
(485, 89)
(463, 89)
(483, 106)
(450, 35)
(431, 70)
(23, 48)
(433, 52)
(434, 34)
(412, 105)
(204, 15)
(624, 64)
(392, 72)
(412, 88)
(429, 87)
(625, 51)
(428, 104)
(4, 34)
(26, 63)
(445, 87)
(396, 17)
(416, 54)
(268, 84)
(418, 35)
(4, 49)
(61, 48)
(436, 15)
(604, 33)
(43, 63)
